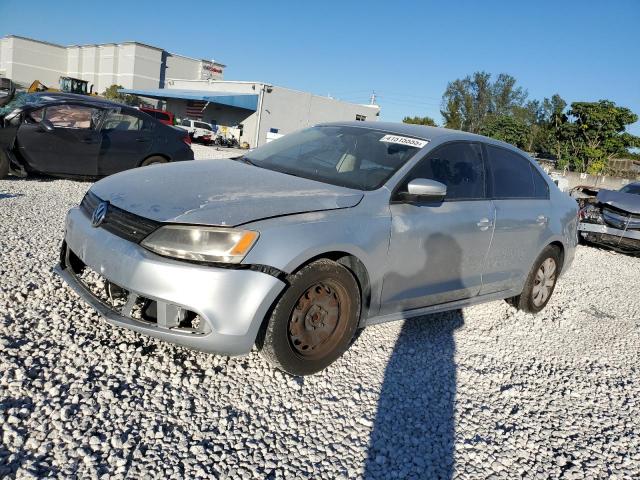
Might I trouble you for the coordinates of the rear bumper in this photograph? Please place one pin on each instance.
(627, 241)
(232, 302)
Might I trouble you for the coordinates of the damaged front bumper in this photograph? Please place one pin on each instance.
(626, 241)
(216, 310)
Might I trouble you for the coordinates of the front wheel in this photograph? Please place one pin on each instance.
(313, 322)
(541, 281)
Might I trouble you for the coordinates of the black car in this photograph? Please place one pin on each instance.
(80, 136)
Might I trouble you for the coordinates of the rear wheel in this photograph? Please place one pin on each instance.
(314, 320)
(541, 281)
(4, 165)
(153, 160)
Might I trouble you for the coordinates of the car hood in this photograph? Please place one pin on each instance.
(218, 193)
(623, 201)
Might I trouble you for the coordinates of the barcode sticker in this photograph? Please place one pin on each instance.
(411, 142)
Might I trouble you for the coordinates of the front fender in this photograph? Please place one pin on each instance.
(286, 243)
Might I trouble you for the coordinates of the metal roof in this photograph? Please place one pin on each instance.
(247, 101)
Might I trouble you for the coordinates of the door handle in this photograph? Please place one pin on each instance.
(89, 140)
(541, 220)
(484, 224)
(142, 139)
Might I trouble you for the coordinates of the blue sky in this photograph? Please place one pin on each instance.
(405, 51)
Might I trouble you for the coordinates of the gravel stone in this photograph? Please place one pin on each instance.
(486, 392)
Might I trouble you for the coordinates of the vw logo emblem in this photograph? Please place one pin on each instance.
(99, 214)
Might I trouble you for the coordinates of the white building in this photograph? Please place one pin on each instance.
(130, 64)
(254, 112)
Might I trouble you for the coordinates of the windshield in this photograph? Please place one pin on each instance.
(21, 99)
(633, 188)
(352, 157)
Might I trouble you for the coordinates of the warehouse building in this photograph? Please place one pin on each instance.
(130, 64)
(253, 112)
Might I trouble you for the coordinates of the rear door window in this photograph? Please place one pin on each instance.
(125, 122)
(511, 175)
(540, 186)
(459, 166)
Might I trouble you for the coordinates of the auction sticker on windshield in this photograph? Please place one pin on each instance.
(411, 142)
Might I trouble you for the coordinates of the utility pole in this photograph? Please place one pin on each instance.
(373, 98)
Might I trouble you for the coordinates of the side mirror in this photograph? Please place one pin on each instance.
(46, 125)
(425, 189)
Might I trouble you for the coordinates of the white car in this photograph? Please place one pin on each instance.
(198, 131)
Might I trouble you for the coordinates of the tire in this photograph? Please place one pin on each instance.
(153, 160)
(313, 322)
(4, 165)
(541, 281)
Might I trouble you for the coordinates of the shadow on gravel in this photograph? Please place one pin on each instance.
(413, 434)
(43, 178)
(10, 195)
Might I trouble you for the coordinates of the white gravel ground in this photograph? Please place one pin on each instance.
(486, 392)
(206, 152)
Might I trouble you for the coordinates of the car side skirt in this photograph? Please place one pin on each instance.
(443, 307)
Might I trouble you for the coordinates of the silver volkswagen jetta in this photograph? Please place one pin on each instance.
(299, 243)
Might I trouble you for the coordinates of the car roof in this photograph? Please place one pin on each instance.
(43, 98)
(422, 131)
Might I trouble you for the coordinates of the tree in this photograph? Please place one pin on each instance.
(508, 129)
(590, 134)
(469, 102)
(428, 121)
(114, 95)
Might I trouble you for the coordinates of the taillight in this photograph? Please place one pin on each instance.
(187, 139)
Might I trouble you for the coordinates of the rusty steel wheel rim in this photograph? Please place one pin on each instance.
(317, 321)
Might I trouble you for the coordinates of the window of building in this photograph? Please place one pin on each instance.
(361, 118)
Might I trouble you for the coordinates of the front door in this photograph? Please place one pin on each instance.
(127, 139)
(437, 250)
(521, 199)
(73, 145)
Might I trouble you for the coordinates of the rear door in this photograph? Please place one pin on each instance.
(437, 249)
(521, 199)
(73, 145)
(127, 138)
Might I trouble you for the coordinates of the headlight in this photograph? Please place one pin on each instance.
(202, 244)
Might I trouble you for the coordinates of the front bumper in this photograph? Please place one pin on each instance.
(232, 302)
(622, 240)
